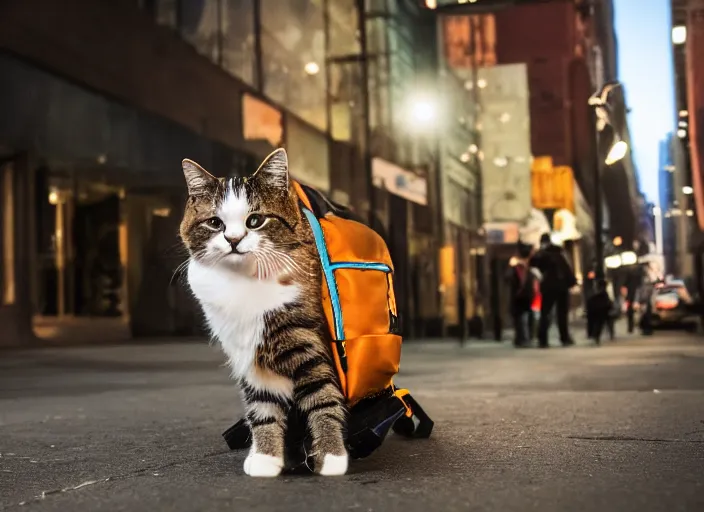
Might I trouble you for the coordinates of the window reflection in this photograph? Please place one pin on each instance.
(166, 12)
(238, 39)
(199, 26)
(293, 47)
(345, 76)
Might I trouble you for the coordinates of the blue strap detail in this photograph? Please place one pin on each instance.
(361, 265)
(327, 272)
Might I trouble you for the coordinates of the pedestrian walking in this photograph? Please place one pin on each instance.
(558, 279)
(521, 286)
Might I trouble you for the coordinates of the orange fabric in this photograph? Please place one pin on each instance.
(348, 240)
(301, 195)
(400, 393)
(367, 300)
(372, 361)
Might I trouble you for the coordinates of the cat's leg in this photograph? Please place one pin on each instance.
(266, 414)
(318, 396)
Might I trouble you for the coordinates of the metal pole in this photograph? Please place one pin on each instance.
(258, 58)
(366, 117)
(598, 210)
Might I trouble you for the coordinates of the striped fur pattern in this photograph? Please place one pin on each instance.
(254, 269)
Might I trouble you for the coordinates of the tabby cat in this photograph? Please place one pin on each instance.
(254, 269)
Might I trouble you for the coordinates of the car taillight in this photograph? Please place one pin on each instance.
(666, 303)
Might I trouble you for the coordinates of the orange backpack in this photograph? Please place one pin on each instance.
(358, 298)
(360, 306)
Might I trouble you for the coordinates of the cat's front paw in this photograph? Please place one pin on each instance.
(261, 465)
(333, 465)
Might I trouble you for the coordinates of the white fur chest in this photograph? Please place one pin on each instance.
(234, 306)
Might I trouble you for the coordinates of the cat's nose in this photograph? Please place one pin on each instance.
(234, 242)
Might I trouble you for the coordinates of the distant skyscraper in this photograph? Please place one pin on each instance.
(666, 179)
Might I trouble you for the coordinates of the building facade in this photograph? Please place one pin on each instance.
(105, 99)
(688, 20)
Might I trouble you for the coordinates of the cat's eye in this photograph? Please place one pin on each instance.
(214, 223)
(255, 221)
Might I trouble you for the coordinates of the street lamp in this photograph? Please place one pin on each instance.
(423, 110)
(679, 34)
(616, 153)
(601, 114)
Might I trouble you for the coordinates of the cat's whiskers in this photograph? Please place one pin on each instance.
(179, 269)
(284, 259)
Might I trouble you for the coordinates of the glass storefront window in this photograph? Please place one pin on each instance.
(308, 155)
(345, 77)
(379, 81)
(238, 39)
(199, 25)
(166, 12)
(293, 47)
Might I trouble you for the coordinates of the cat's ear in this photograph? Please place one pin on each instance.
(274, 169)
(198, 179)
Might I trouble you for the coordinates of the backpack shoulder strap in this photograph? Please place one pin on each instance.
(302, 196)
(321, 205)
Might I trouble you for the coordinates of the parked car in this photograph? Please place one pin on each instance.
(672, 306)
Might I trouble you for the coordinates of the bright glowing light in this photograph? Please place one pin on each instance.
(618, 241)
(481, 83)
(612, 261)
(617, 152)
(423, 111)
(690, 213)
(629, 258)
(464, 157)
(684, 113)
(431, 4)
(311, 68)
(500, 161)
(682, 124)
(657, 211)
(505, 117)
(53, 197)
(681, 133)
(688, 191)
(473, 149)
(679, 34)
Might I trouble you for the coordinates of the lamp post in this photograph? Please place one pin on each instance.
(601, 116)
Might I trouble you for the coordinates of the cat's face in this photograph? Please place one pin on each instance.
(249, 225)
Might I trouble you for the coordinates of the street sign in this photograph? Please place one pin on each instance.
(552, 187)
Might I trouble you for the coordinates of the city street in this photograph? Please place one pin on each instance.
(137, 428)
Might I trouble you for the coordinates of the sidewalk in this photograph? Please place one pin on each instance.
(577, 331)
(137, 428)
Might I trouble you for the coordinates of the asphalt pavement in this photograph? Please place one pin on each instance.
(137, 428)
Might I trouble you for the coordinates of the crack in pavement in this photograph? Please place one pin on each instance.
(640, 439)
(123, 476)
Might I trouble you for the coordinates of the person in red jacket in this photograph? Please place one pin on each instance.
(521, 281)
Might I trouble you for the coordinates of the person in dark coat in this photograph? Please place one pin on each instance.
(558, 279)
(599, 312)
